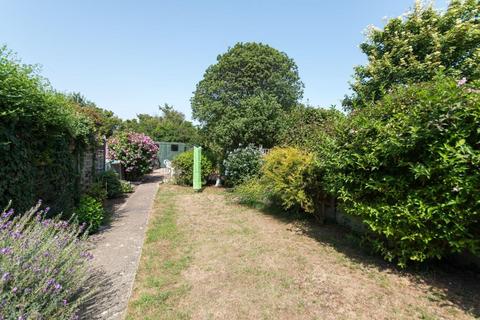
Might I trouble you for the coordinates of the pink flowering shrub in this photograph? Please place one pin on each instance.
(135, 151)
(44, 267)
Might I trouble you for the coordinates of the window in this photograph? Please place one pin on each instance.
(174, 147)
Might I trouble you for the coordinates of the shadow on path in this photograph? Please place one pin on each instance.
(116, 249)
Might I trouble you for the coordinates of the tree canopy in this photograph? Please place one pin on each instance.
(415, 47)
(105, 121)
(241, 97)
(171, 125)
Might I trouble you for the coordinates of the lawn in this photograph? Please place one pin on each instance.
(206, 257)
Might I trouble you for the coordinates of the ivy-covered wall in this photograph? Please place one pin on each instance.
(42, 139)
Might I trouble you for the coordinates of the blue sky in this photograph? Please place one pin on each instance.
(131, 56)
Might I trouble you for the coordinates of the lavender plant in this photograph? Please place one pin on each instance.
(44, 266)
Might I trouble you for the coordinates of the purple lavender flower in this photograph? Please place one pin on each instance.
(57, 287)
(86, 255)
(16, 234)
(61, 225)
(6, 276)
(6, 251)
(46, 222)
(7, 214)
(6, 225)
(50, 282)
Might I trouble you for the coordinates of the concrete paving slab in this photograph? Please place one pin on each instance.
(117, 249)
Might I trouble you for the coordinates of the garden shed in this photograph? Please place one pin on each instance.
(169, 150)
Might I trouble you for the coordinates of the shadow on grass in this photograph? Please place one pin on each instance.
(457, 285)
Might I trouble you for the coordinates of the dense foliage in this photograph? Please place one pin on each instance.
(413, 48)
(90, 212)
(409, 167)
(126, 186)
(170, 126)
(242, 164)
(105, 122)
(44, 267)
(183, 168)
(289, 177)
(310, 128)
(41, 139)
(97, 191)
(136, 152)
(241, 98)
(289, 174)
(110, 181)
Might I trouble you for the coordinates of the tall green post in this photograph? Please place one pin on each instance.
(197, 168)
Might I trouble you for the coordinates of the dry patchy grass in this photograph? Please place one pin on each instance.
(208, 258)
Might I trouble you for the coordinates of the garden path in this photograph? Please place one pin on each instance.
(116, 250)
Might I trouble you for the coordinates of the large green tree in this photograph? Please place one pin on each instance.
(241, 97)
(171, 125)
(415, 47)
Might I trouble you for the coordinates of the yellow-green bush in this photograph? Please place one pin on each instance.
(290, 175)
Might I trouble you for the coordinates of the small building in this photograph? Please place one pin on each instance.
(169, 150)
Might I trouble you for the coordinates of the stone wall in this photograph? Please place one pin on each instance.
(92, 164)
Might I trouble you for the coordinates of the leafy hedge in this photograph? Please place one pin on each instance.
(183, 166)
(409, 166)
(41, 140)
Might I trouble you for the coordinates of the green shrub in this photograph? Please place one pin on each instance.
(183, 166)
(242, 164)
(45, 267)
(409, 166)
(126, 186)
(111, 183)
(97, 191)
(307, 127)
(90, 211)
(41, 139)
(290, 174)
